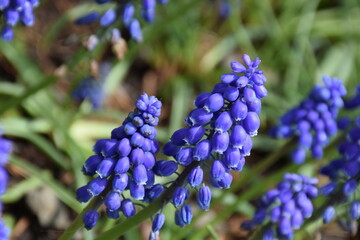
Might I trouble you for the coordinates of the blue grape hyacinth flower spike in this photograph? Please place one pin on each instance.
(313, 122)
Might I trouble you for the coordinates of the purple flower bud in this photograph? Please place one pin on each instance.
(195, 177)
(4, 4)
(11, 17)
(91, 164)
(242, 82)
(138, 121)
(238, 67)
(298, 155)
(355, 210)
(285, 225)
(254, 106)
(139, 174)
(137, 156)
(246, 148)
(226, 181)
(137, 140)
(238, 136)
(219, 88)
(203, 197)
(120, 182)
(88, 18)
(232, 157)
(297, 219)
(201, 99)
(349, 187)
(155, 148)
(268, 234)
(220, 142)
(186, 213)
(260, 91)
(328, 188)
(105, 167)
(112, 214)
(305, 204)
(249, 94)
(90, 218)
(7, 33)
(149, 160)
(214, 103)
(124, 147)
(151, 179)
(82, 194)
(239, 110)
(179, 196)
(128, 208)
(122, 166)
(247, 60)
(148, 131)
(178, 219)
(108, 17)
(184, 156)
(223, 123)
(228, 78)
(198, 116)
(158, 222)
(165, 168)
(217, 170)
(240, 165)
(328, 214)
(202, 150)
(178, 137)
(130, 128)
(136, 191)
(194, 134)
(231, 93)
(146, 147)
(305, 140)
(135, 30)
(154, 192)
(289, 207)
(97, 185)
(112, 201)
(259, 216)
(247, 225)
(148, 14)
(251, 123)
(275, 214)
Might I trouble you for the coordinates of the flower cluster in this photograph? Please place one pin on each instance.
(286, 207)
(313, 122)
(5, 149)
(344, 175)
(124, 12)
(126, 161)
(91, 88)
(353, 102)
(218, 133)
(14, 11)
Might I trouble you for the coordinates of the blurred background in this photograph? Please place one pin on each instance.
(45, 69)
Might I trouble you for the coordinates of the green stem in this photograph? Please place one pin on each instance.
(77, 223)
(119, 229)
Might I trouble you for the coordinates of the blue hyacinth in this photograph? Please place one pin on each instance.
(13, 12)
(313, 122)
(285, 208)
(218, 134)
(92, 88)
(344, 175)
(124, 162)
(127, 13)
(5, 149)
